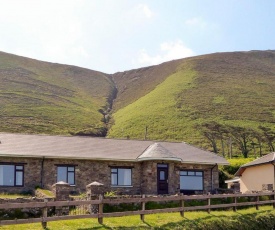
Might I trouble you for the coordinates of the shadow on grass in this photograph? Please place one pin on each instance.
(250, 221)
(103, 226)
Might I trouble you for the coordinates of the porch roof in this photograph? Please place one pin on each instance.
(79, 147)
(157, 152)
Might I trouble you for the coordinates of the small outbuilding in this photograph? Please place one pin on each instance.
(258, 175)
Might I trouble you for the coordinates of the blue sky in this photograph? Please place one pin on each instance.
(118, 35)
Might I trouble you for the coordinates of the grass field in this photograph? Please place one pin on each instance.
(242, 219)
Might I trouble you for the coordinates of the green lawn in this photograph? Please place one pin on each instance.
(13, 196)
(242, 219)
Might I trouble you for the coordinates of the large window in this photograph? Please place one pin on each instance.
(121, 176)
(11, 175)
(191, 180)
(66, 174)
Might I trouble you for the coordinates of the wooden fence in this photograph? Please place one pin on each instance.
(182, 199)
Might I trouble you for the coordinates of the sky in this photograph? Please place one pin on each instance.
(117, 35)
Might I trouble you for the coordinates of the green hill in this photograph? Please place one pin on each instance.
(41, 97)
(169, 101)
(229, 88)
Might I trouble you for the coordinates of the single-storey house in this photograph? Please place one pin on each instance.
(257, 175)
(126, 166)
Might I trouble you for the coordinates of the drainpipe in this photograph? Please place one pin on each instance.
(42, 172)
(273, 176)
(212, 177)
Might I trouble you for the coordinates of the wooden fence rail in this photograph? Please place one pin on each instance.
(142, 200)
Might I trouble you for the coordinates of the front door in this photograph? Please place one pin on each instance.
(162, 179)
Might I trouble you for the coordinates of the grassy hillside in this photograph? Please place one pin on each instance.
(41, 97)
(134, 84)
(157, 110)
(164, 102)
(229, 88)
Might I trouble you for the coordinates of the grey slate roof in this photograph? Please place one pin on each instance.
(68, 147)
(269, 158)
(157, 151)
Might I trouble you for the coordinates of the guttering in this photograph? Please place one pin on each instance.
(273, 174)
(158, 159)
(68, 157)
(111, 159)
(203, 163)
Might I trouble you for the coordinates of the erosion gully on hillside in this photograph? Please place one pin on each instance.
(41, 97)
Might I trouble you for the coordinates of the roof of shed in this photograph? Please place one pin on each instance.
(79, 147)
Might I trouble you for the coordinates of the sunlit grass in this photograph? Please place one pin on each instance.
(191, 220)
(45, 192)
(13, 196)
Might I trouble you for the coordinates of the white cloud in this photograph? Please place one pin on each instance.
(145, 10)
(49, 31)
(138, 14)
(196, 22)
(168, 51)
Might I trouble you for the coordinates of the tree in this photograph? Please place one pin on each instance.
(268, 136)
(242, 137)
(212, 138)
(260, 139)
(214, 131)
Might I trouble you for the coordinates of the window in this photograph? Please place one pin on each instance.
(11, 175)
(66, 174)
(191, 180)
(121, 176)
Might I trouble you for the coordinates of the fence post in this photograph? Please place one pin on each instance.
(61, 191)
(93, 190)
(182, 205)
(235, 203)
(100, 210)
(142, 208)
(45, 214)
(257, 200)
(209, 203)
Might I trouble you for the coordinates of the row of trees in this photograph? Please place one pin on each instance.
(222, 138)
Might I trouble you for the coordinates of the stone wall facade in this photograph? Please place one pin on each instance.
(149, 176)
(210, 175)
(43, 173)
(87, 171)
(32, 174)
